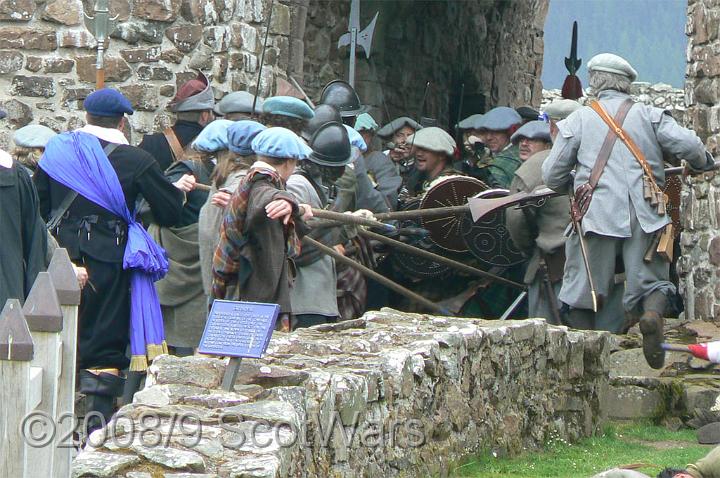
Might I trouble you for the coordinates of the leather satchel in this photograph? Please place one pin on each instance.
(583, 194)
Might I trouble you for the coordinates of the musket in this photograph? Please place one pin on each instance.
(262, 57)
(481, 207)
(583, 250)
(377, 277)
(100, 26)
(355, 37)
(572, 88)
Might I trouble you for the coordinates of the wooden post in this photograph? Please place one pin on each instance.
(16, 352)
(66, 285)
(44, 317)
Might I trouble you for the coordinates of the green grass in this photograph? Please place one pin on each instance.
(620, 444)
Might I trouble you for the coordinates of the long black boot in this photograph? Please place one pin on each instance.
(100, 392)
(581, 319)
(651, 327)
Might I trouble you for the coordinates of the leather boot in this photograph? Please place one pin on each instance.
(581, 319)
(651, 327)
(100, 392)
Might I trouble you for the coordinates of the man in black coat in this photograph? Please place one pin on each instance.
(193, 105)
(96, 238)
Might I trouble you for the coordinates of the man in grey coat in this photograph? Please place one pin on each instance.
(619, 222)
(314, 295)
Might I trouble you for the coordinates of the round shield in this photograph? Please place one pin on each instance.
(446, 231)
(413, 266)
(673, 188)
(488, 239)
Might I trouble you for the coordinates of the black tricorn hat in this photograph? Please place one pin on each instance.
(342, 96)
(323, 114)
(331, 145)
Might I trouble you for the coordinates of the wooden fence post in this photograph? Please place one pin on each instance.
(16, 351)
(44, 317)
(68, 293)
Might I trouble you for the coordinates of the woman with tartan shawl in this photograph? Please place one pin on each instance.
(263, 224)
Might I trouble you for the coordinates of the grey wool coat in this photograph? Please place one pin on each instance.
(536, 230)
(577, 145)
(315, 283)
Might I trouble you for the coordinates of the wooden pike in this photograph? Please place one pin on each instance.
(432, 306)
(351, 219)
(407, 248)
(424, 213)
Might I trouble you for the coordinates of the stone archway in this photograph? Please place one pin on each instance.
(494, 47)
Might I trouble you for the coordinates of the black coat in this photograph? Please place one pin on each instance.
(22, 234)
(96, 239)
(88, 229)
(158, 147)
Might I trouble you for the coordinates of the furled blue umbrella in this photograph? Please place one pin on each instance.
(91, 175)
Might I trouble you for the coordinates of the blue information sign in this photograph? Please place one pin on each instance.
(238, 329)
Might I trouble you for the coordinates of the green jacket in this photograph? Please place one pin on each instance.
(503, 166)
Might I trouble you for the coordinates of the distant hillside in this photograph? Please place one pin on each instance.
(650, 34)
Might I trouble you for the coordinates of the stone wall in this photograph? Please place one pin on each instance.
(47, 56)
(660, 95)
(419, 393)
(494, 47)
(698, 267)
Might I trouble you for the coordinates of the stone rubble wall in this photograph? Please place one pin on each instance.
(660, 95)
(47, 56)
(495, 47)
(700, 206)
(423, 392)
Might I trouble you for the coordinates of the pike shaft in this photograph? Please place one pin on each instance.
(262, 57)
(350, 219)
(676, 348)
(377, 277)
(407, 248)
(299, 88)
(425, 213)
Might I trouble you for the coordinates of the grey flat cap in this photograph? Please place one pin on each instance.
(392, 127)
(612, 63)
(238, 102)
(500, 119)
(471, 122)
(533, 130)
(435, 139)
(561, 109)
(33, 136)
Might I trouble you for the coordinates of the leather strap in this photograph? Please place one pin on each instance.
(175, 147)
(610, 138)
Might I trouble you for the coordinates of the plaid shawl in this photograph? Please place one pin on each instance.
(230, 266)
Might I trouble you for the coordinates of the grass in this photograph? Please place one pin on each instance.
(620, 444)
